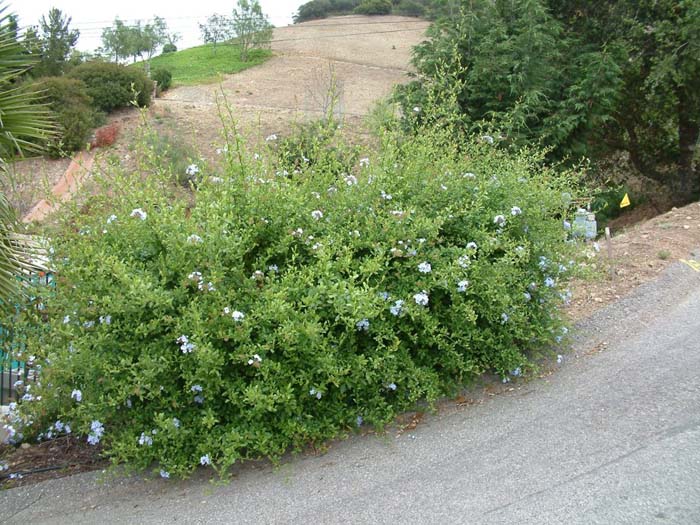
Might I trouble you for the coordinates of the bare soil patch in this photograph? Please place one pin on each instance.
(364, 56)
(56, 458)
(636, 254)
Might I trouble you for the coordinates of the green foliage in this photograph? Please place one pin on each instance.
(250, 27)
(581, 78)
(260, 312)
(55, 42)
(136, 40)
(113, 86)
(322, 8)
(169, 48)
(72, 109)
(198, 65)
(373, 7)
(216, 30)
(26, 125)
(164, 78)
(410, 8)
(315, 147)
(174, 154)
(512, 67)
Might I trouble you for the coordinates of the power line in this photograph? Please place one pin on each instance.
(346, 34)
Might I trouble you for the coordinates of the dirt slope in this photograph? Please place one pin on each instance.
(364, 56)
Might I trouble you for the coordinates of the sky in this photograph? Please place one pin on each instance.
(90, 17)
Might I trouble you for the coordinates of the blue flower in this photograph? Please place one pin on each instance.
(363, 325)
(145, 439)
(315, 393)
(421, 298)
(96, 432)
(397, 308)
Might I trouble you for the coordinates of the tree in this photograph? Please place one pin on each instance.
(24, 123)
(146, 40)
(250, 26)
(657, 116)
(583, 78)
(115, 40)
(217, 29)
(56, 41)
(511, 65)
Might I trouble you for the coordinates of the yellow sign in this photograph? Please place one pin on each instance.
(695, 265)
(625, 201)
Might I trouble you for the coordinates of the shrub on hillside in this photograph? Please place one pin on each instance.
(106, 135)
(314, 146)
(113, 86)
(72, 109)
(164, 78)
(262, 312)
(374, 7)
(169, 48)
(322, 8)
(410, 8)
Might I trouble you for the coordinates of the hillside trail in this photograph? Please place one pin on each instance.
(342, 64)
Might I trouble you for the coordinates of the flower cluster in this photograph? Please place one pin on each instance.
(139, 213)
(97, 430)
(186, 346)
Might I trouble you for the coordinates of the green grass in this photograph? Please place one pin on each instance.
(201, 65)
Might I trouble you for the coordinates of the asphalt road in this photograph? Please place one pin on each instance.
(612, 436)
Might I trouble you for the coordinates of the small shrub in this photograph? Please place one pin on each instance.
(374, 7)
(264, 312)
(174, 156)
(164, 78)
(315, 146)
(322, 8)
(71, 105)
(410, 8)
(113, 86)
(106, 135)
(169, 48)
(664, 254)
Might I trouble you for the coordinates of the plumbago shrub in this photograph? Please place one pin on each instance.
(258, 313)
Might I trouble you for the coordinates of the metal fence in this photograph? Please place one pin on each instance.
(12, 374)
(14, 371)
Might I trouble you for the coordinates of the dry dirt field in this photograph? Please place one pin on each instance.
(364, 57)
